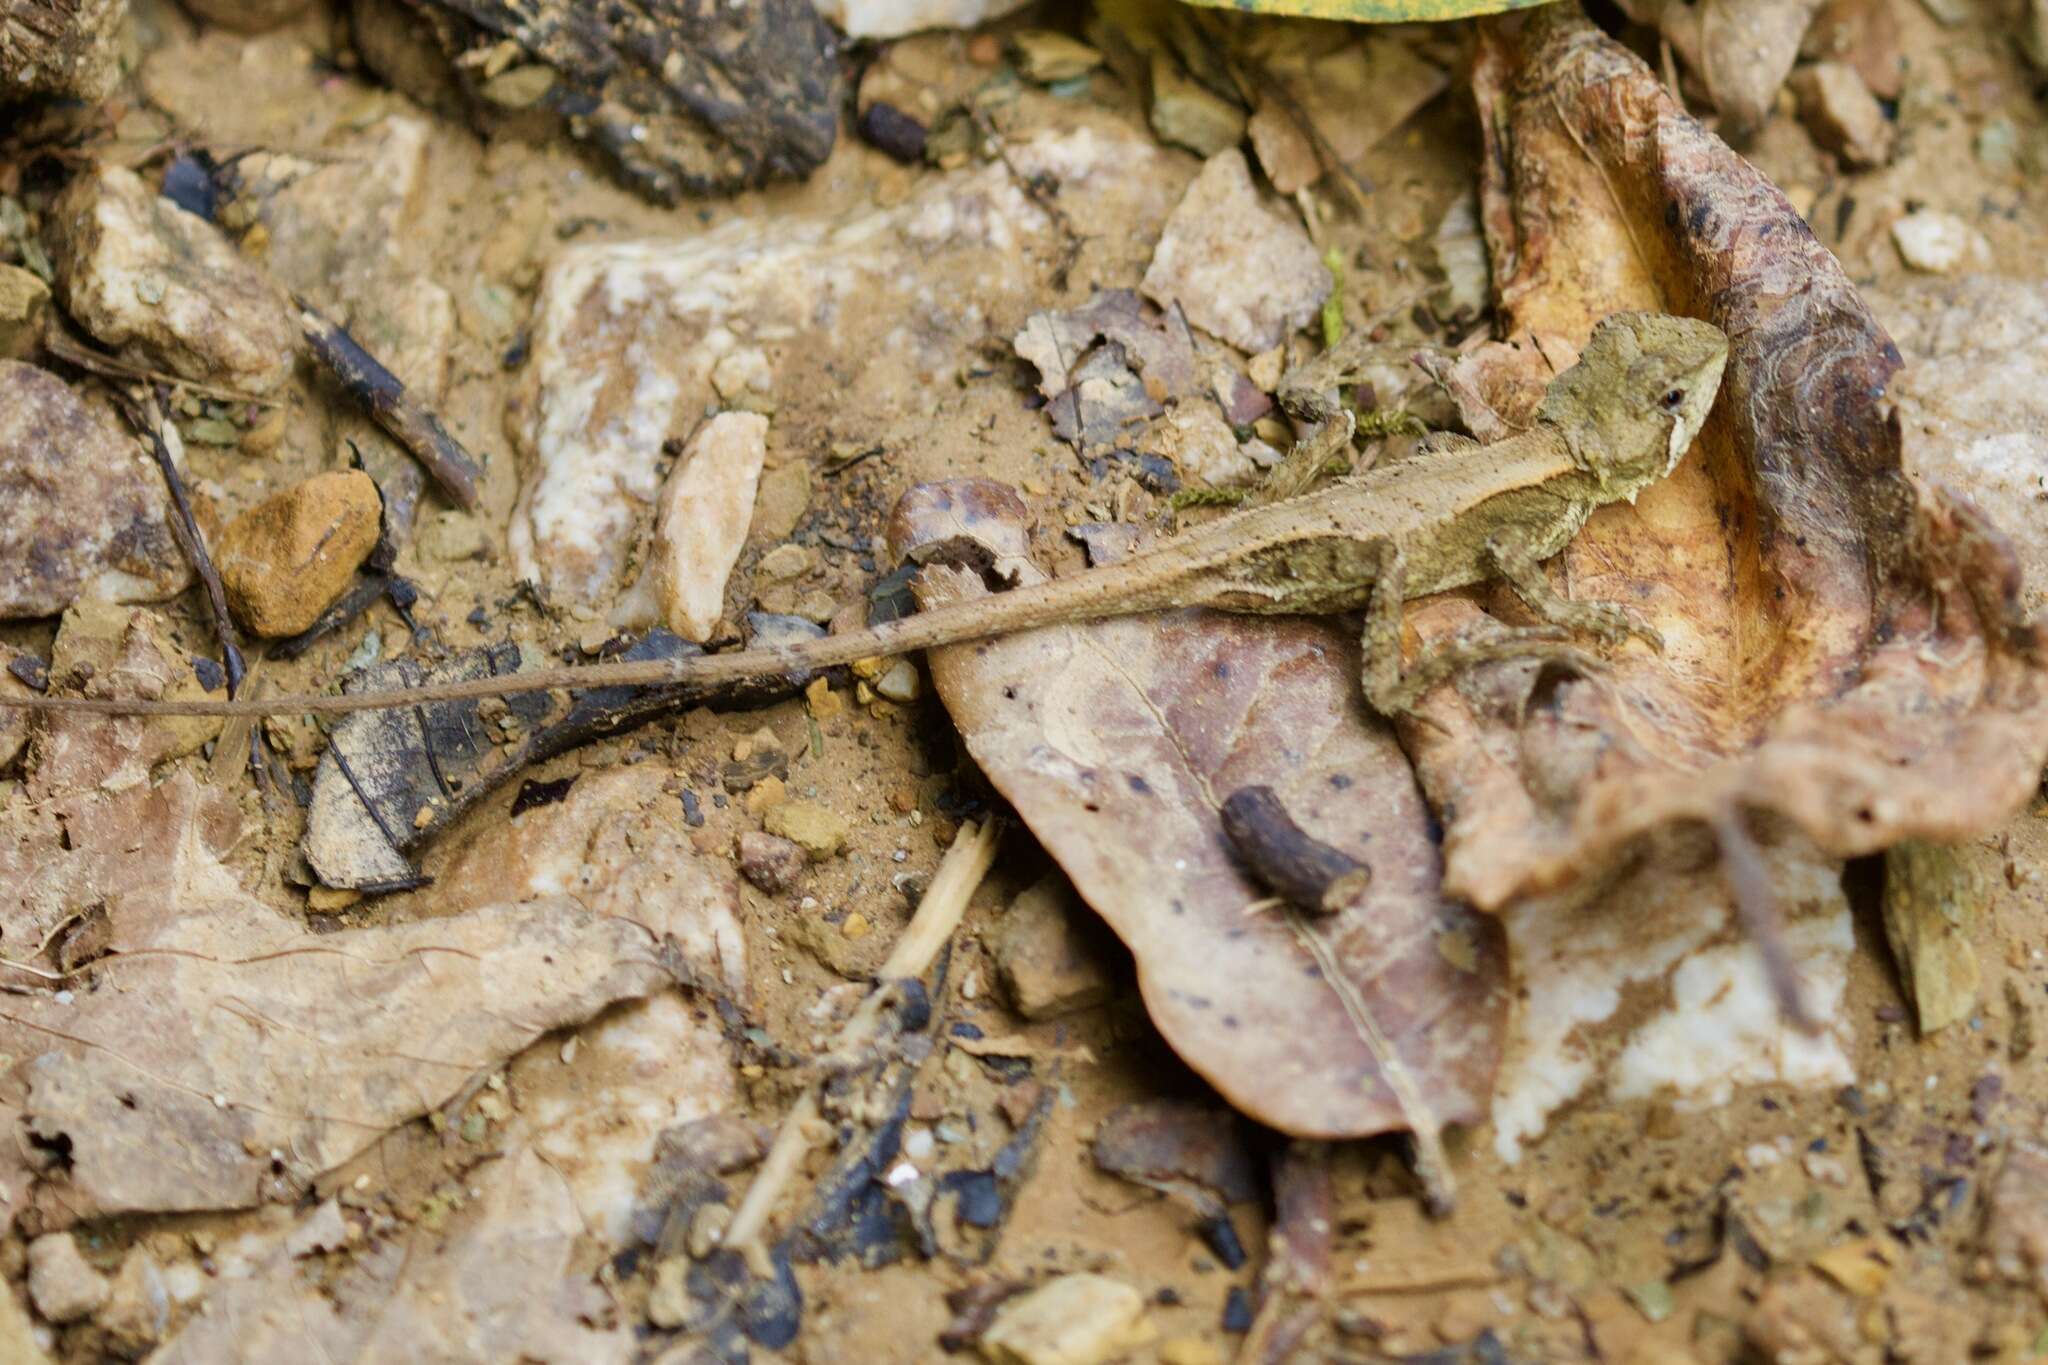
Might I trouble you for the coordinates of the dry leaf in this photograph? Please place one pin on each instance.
(1844, 649)
(1118, 741)
(222, 1055)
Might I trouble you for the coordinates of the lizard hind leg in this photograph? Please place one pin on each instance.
(1518, 561)
(1393, 690)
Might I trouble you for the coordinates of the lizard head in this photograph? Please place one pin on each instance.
(1639, 394)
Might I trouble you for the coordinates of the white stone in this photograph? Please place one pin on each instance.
(1938, 242)
(705, 509)
(632, 341)
(1237, 268)
(1074, 1320)
(894, 18)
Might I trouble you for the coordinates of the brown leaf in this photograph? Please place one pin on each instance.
(1118, 741)
(1843, 648)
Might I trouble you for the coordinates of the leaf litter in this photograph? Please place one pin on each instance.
(1595, 814)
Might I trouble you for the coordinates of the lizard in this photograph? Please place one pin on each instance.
(1452, 515)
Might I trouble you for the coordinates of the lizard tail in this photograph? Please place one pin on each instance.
(1086, 596)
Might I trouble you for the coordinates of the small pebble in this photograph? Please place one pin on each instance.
(901, 682)
(1937, 242)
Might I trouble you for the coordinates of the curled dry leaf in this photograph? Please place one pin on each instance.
(1845, 648)
(1118, 741)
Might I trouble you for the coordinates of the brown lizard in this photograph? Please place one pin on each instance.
(1454, 514)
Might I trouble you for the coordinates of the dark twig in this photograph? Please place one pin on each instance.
(1299, 867)
(189, 539)
(380, 395)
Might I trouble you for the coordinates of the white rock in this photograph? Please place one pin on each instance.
(1238, 269)
(60, 1283)
(166, 287)
(704, 511)
(894, 18)
(138, 1305)
(1938, 242)
(631, 340)
(1973, 400)
(1074, 1320)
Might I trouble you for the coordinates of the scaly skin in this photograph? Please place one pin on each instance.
(1609, 427)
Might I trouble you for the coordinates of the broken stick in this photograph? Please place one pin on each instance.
(379, 393)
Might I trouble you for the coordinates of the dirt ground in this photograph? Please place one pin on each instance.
(1880, 1216)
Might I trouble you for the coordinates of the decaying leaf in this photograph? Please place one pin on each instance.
(685, 97)
(231, 1056)
(1118, 742)
(1844, 649)
(391, 780)
(1931, 894)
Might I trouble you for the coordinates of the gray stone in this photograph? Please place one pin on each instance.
(82, 514)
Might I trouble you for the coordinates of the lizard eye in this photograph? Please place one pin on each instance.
(1672, 399)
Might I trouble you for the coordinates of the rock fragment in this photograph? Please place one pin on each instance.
(818, 830)
(71, 51)
(60, 1283)
(1047, 966)
(1080, 1319)
(24, 300)
(706, 507)
(2016, 1219)
(1189, 114)
(770, 861)
(138, 1305)
(1285, 153)
(287, 559)
(1236, 268)
(631, 339)
(165, 287)
(1048, 56)
(1842, 114)
(1937, 242)
(82, 514)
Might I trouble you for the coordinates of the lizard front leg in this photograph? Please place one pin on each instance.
(1515, 559)
(1393, 690)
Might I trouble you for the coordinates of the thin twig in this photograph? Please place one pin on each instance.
(411, 423)
(187, 531)
(69, 349)
(1742, 864)
(938, 915)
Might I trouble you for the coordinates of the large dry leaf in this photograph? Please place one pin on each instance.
(1845, 649)
(1118, 741)
(224, 1055)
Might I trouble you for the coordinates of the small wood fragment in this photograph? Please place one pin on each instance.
(377, 391)
(1299, 867)
(1930, 895)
